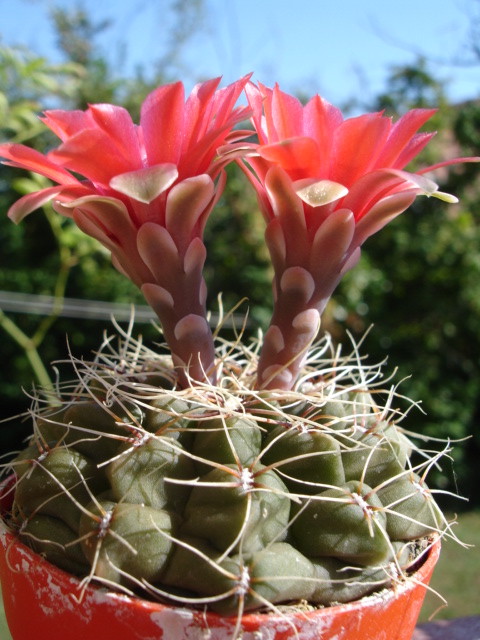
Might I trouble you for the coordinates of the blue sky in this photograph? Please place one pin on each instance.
(340, 49)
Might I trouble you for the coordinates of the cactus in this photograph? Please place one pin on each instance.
(225, 496)
(232, 477)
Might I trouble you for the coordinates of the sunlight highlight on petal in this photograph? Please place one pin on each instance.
(146, 184)
(320, 192)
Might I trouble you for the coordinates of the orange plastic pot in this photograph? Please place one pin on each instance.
(41, 602)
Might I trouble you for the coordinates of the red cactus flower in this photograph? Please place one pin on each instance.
(324, 184)
(146, 195)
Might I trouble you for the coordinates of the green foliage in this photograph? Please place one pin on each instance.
(27, 85)
(412, 86)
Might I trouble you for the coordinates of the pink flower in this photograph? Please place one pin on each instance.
(324, 184)
(146, 195)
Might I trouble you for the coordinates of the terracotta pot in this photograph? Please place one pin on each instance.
(40, 602)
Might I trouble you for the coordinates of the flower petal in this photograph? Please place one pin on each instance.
(425, 186)
(357, 144)
(255, 101)
(66, 124)
(23, 207)
(225, 100)
(32, 160)
(287, 206)
(159, 252)
(371, 188)
(93, 154)
(320, 119)
(107, 220)
(186, 203)
(381, 214)
(198, 111)
(317, 193)
(447, 163)
(117, 124)
(330, 245)
(413, 148)
(286, 114)
(145, 184)
(299, 157)
(162, 122)
(401, 134)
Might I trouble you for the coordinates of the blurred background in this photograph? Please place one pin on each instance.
(418, 281)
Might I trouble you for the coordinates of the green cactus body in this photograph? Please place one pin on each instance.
(57, 483)
(227, 441)
(168, 414)
(246, 509)
(141, 472)
(56, 541)
(227, 497)
(122, 540)
(412, 511)
(276, 574)
(346, 523)
(91, 421)
(375, 456)
(305, 458)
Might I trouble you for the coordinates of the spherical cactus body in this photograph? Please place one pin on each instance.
(226, 497)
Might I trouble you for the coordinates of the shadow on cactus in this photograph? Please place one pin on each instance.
(230, 476)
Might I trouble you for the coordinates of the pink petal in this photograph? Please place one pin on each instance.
(160, 254)
(288, 208)
(267, 123)
(61, 203)
(219, 188)
(32, 160)
(381, 214)
(257, 178)
(93, 154)
(118, 125)
(108, 220)
(145, 184)
(447, 163)
(369, 189)
(357, 144)
(234, 151)
(275, 239)
(186, 203)
(24, 206)
(255, 101)
(198, 111)
(287, 114)
(320, 119)
(330, 245)
(111, 215)
(200, 158)
(162, 121)
(413, 148)
(299, 157)
(401, 134)
(225, 100)
(424, 185)
(66, 124)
